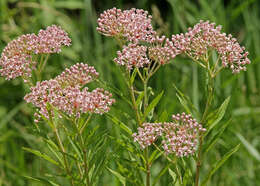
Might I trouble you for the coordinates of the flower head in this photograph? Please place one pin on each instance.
(66, 93)
(203, 37)
(133, 25)
(178, 137)
(132, 55)
(77, 75)
(51, 40)
(148, 133)
(17, 57)
(162, 50)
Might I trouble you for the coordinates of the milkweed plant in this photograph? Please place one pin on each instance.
(66, 105)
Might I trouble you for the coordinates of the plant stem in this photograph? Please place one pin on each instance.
(135, 106)
(64, 155)
(146, 152)
(80, 130)
(148, 172)
(86, 171)
(210, 91)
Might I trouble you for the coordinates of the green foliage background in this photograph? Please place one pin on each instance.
(241, 18)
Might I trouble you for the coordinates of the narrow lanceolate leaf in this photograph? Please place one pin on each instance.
(161, 173)
(121, 178)
(215, 117)
(42, 155)
(155, 155)
(219, 164)
(251, 149)
(42, 180)
(120, 124)
(152, 105)
(186, 102)
(174, 177)
(215, 138)
(132, 79)
(55, 151)
(164, 116)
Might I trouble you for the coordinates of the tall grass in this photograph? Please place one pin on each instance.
(78, 17)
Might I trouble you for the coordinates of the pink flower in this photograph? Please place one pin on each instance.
(148, 133)
(203, 37)
(51, 40)
(132, 55)
(17, 57)
(66, 93)
(133, 25)
(178, 137)
(77, 75)
(162, 50)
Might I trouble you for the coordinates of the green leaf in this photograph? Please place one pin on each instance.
(42, 155)
(42, 180)
(54, 149)
(120, 124)
(219, 163)
(155, 155)
(121, 178)
(174, 177)
(161, 173)
(152, 105)
(132, 79)
(186, 102)
(251, 149)
(69, 5)
(215, 138)
(164, 116)
(76, 148)
(215, 117)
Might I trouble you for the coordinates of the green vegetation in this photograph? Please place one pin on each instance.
(241, 122)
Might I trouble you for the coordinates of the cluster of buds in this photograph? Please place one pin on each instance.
(205, 36)
(133, 55)
(133, 25)
(162, 50)
(148, 133)
(66, 93)
(17, 57)
(178, 137)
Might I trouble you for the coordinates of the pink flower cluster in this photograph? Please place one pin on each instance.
(51, 40)
(203, 37)
(133, 55)
(68, 96)
(162, 50)
(133, 25)
(77, 75)
(148, 133)
(17, 57)
(179, 137)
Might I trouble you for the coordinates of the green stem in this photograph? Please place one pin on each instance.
(82, 144)
(85, 124)
(148, 166)
(63, 154)
(210, 91)
(134, 104)
(86, 171)
(146, 152)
